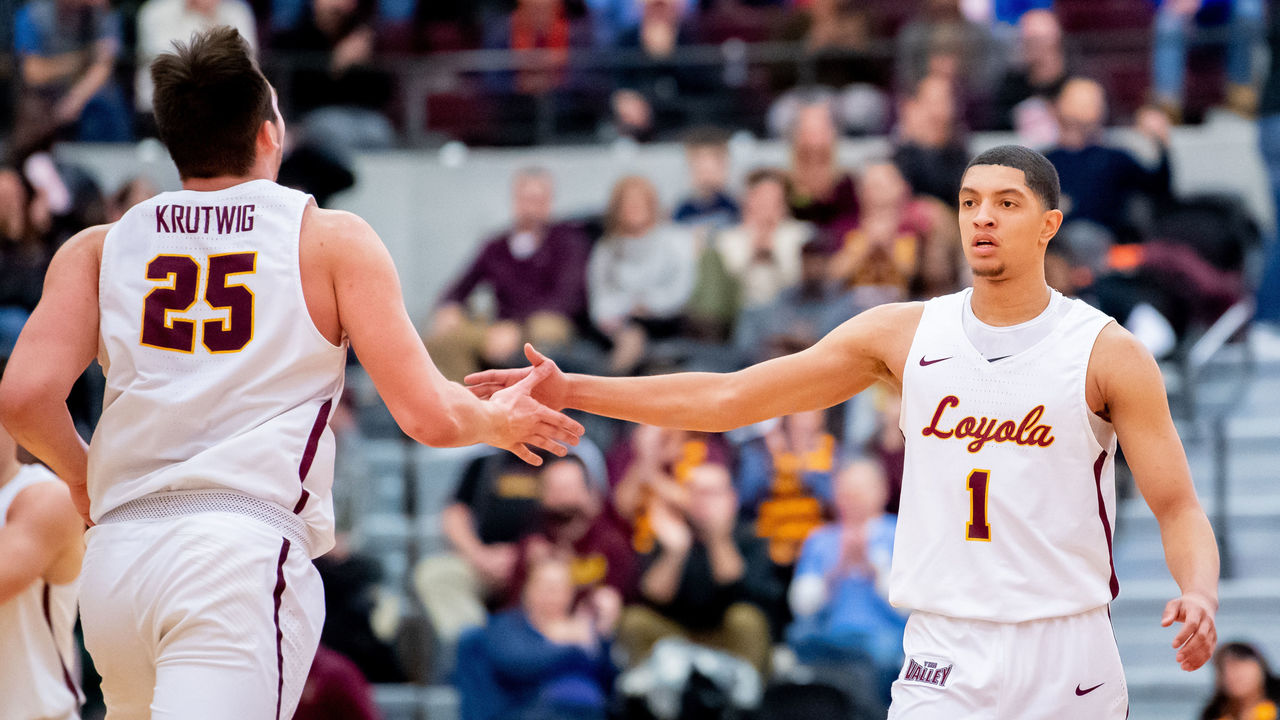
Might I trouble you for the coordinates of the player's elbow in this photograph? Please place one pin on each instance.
(17, 406)
(436, 429)
(728, 405)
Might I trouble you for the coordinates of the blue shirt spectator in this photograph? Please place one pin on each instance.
(839, 593)
(67, 51)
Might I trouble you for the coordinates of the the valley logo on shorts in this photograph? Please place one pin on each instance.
(927, 672)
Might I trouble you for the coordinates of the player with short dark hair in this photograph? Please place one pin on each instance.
(222, 315)
(1013, 400)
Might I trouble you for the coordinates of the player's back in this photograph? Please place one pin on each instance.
(1008, 491)
(217, 378)
(37, 644)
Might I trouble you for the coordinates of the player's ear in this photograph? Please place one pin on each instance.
(270, 138)
(1052, 222)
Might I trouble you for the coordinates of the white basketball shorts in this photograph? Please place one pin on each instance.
(212, 616)
(1065, 667)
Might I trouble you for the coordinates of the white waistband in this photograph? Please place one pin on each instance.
(178, 503)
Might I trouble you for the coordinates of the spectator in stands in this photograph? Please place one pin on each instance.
(784, 481)
(821, 192)
(799, 316)
(546, 660)
(1268, 296)
(537, 273)
(67, 52)
(831, 31)
(640, 274)
(930, 152)
(887, 446)
(706, 151)
(762, 253)
(339, 100)
(1099, 183)
(574, 529)
(704, 581)
(496, 505)
(351, 581)
(942, 41)
(336, 690)
(651, 98)
(536, 25)
(24, 257)
(840, 592)
(1179, 21)
(1029, 88)
(654, 464)
(1244, 687)
(161, 22)
(879, 257)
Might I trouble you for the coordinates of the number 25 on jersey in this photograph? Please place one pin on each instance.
(179, 276)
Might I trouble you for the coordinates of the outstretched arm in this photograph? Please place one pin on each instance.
(1129, 382)
(869, 347)
(58, 342)
(429, 408)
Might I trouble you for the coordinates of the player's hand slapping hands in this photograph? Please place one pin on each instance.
(551, 388)
(529, 422)
(1198, 638)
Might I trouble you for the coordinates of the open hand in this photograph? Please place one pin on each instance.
(530, 423)
(552, 389)
(1198, 637)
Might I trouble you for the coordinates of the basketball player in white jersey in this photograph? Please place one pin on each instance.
(41, 545)
(221, 315)
(1013, 398)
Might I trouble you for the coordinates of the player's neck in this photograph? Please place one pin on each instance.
(1010, 301)
(221, 182)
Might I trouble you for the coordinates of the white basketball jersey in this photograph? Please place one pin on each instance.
(217, 378)
(1008, 493)
(37, 648)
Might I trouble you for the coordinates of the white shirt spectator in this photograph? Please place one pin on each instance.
(763, 271)
(161, 22)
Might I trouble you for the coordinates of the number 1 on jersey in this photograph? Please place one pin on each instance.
(978, 528)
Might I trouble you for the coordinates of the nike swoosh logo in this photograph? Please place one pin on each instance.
(991, 360)
(1086, 692)
(927, 363)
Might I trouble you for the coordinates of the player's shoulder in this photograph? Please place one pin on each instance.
(889, 319)
(316, 219)
(84, 246)
(1120, 362)
(1115, 344)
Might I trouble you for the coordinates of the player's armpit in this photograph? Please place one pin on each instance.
(41, 538)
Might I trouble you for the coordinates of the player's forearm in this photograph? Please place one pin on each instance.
(1191, 552)
(46, 430)
(448, 416)
(690, 401)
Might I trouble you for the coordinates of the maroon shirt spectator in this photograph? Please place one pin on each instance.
(551, 279)
(336, 690)
(575, 529)
(537, 272)
(821, 192)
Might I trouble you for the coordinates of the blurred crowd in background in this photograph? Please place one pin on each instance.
(749, 561)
